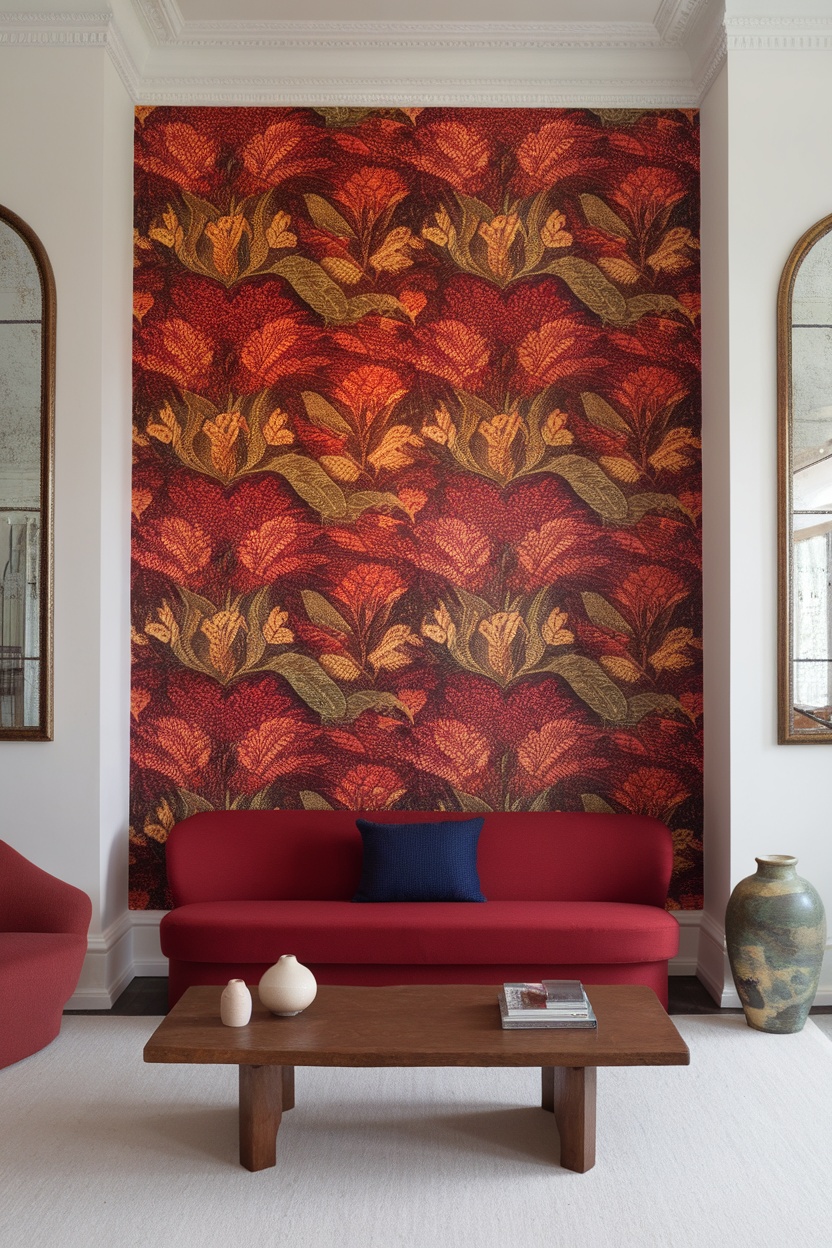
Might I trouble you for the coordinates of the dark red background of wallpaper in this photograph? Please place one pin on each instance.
(416, 482)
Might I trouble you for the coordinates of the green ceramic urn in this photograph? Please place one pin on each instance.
(775, 930)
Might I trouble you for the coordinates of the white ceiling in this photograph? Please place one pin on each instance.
(584, 53)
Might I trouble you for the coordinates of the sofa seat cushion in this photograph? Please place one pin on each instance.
(419, 932)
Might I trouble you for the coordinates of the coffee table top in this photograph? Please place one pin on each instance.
(417, 1025)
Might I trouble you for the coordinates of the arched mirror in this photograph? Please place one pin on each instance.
(805, 469)
(27, 381)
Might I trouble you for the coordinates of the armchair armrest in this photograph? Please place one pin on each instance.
(32, 900)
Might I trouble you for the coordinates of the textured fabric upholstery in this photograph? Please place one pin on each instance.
(43, 940)
(419, 861)
(573, 896)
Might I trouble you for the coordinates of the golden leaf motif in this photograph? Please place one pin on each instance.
(620, 468)
(170, 232)
(225, 235)
(278, 235)
(443, 430)
(499, 433)
(166, 427)
(389, 655)
(553, 233)
(340, 666)
(341, 467)
(222, 432)
(499, 234)
(342, 270)
(221, 629)
(164, 628)
(672, 254)
(393, 256)
(553, 432)
(672, 653)
(443, 232)
(620, 269)
(274, 630)
(554, 630)
(499, 630)
(160, 823)
(392, 450)
(622, 668)
(675, 450)
(442, 629)
(275, 431)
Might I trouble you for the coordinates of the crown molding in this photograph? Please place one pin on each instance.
(778, 34)
(427, 92)
(160, 58)
(167, 26)
(675, 18)
(76, 30)
(711, 63)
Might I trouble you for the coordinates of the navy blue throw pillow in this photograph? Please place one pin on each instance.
(420, 861)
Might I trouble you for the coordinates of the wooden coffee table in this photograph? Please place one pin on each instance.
(417, 1025)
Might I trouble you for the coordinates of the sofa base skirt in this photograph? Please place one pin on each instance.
(183, 975)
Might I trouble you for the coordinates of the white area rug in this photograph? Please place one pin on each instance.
(98, 1150)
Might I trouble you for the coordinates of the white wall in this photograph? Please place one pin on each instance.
(716, 515)
(763, 797)
(65, 153)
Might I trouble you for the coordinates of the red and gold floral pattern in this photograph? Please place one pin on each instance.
(416, 478)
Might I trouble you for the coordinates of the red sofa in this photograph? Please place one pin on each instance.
(573, 896)
(43, 940)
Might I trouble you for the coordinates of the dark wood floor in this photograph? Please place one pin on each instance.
(150, 996)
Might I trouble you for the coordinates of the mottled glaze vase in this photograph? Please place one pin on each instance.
(775, 930)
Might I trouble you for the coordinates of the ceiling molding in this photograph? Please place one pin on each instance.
(675, 17)
(168, 27)
(711, 63)
(161, 58)
(778, 34)
(77, 30)
(427, 92)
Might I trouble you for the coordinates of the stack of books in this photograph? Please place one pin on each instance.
(551, 1003)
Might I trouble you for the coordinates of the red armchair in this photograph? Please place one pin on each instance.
(43, 940)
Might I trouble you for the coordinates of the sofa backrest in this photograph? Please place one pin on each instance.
(259, 855)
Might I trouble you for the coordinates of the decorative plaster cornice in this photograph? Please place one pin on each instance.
(76, 30)
(778, 34)
(711, 63)
(168, 28)
(674, 19)
(437, 92)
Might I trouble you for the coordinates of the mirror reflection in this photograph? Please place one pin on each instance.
(25, 436)
(809, 471)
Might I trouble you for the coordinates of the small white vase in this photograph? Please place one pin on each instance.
(235, 1003)
(287, 987)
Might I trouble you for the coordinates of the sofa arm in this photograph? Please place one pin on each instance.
(32, 900)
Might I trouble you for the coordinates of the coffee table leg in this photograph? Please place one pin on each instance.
(569, 1092)
(288, 1087)
(261, 1105)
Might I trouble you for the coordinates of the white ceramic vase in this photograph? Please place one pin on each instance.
(287, 987)
(235, 1003)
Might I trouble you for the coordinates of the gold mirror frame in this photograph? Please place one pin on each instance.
(43, 729)
(788, 732)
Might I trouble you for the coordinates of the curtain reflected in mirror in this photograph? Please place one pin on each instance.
(805, 434)
(26, 398)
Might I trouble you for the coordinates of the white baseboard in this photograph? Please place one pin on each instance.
(686, 959)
